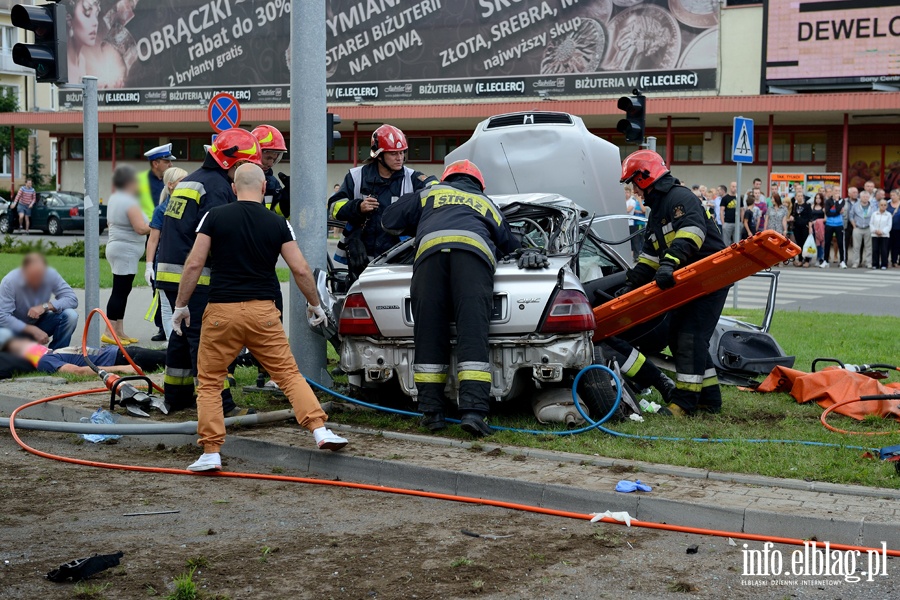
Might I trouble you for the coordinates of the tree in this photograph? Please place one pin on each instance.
(9, 102)
(36, 169)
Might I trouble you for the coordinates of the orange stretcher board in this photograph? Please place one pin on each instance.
(722, 269)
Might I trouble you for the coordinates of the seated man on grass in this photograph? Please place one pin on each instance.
(71, 360)
(35, 301)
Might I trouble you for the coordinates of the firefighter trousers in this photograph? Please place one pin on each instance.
(452, 286)
(181, 357)
(691, 327)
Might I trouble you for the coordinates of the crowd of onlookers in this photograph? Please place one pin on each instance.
(859, 231)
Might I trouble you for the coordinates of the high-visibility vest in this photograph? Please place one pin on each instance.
(145, 196)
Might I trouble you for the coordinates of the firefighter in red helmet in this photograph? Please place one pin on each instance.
(680, 231)
(460, 235)
(273, 147)
(366, 192)
(197, 194)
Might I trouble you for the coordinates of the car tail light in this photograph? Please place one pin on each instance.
(73, 212)
(356, 318)
(569, 311)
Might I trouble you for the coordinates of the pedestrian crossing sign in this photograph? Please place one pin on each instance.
(742, 140)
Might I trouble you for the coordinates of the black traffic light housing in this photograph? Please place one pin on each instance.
(47, 55)
(635, 112)
(332, 134)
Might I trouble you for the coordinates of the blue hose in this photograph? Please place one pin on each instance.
(592, 424)
(597, 425)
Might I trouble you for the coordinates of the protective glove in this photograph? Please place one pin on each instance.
(180, 315)
(316, 315)
(149, 276)
(533, 258)
(665, 275)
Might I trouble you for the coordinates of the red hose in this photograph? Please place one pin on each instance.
(84, 346)
(402, 491)
(828, 411)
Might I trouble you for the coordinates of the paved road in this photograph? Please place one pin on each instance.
(826, 290)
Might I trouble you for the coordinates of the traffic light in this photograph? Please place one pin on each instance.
(633, 123)
(47, 55)
(332, 134)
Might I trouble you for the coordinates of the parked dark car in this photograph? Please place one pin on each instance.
(53, 213)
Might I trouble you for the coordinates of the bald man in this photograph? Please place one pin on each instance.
(243, 241)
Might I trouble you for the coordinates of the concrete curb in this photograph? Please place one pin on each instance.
(645, 467)
(560, 497)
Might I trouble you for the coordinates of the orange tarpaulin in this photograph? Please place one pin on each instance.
(834, 385)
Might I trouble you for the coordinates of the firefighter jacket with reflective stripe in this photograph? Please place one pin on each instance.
(196, 194)
(274, 191)
(453, 215)
(367, 181)
(680, 230)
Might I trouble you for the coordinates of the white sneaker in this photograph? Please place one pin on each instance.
(823, 265)
(327, 440)
(882, 268)
(207, 462)
(271, 384)
(843, 265)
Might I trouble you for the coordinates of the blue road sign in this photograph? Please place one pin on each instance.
(742, 140)
(224, 112)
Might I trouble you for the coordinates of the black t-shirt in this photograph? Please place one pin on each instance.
(730, 204)
(246, 242)
(748, 216)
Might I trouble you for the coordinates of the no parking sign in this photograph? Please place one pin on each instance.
(224, 112)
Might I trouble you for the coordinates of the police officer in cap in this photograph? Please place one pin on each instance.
(150, 182)
(680, 232)
(460, 235)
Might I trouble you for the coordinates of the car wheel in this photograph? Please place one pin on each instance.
(4, 224)
(53, 226)
(597, 391)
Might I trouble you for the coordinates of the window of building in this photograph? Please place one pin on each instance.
(105, 148)
(10, 89)
(54, 150)
(419, 149)
(781, 148)
(4, 166)
(444, 145)
(76, 148)
(196, 148)
(808, 147)
(129, 149)
(179, 148)
(688, 148)
(8, 38)
(340, 152)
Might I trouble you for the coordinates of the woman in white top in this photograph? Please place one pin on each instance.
(127, 228)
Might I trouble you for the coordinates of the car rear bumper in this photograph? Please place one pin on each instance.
(372, 361)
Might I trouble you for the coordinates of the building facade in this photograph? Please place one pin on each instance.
(816, 124)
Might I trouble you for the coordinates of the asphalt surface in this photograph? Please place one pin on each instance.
(835, 290)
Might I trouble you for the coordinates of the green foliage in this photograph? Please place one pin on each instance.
(90, 591)
(12, 245)
(36, 169)
(185, 588)
(9, 102)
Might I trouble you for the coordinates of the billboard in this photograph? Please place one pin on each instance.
(832, 41)
(185, 51)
